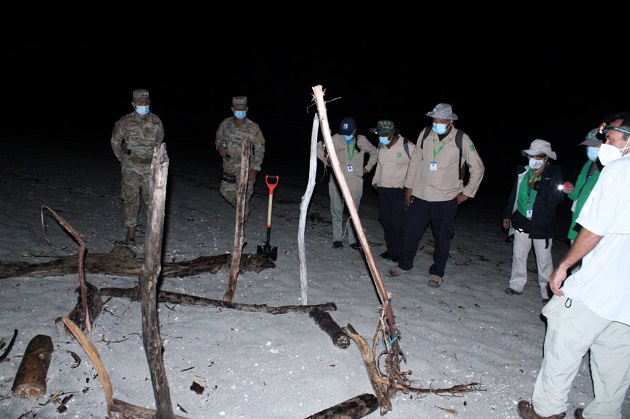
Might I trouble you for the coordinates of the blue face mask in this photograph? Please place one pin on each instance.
(240, 114)
(591, 152)
(384, 140)
(142, 110)
(439, 128)
(348, 138)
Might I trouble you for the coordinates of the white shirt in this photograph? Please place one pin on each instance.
(603, 281)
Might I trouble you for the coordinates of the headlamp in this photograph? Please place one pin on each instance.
(603, 128)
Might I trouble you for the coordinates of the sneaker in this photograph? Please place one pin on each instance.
(356, 246)
(386, 255)
(526, 411)
(435, 281)
(510, 291)
(397, 271)
(337, 245)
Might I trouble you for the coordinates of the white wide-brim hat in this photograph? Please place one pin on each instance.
(540, 147)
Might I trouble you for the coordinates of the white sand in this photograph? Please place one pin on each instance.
(256, 365)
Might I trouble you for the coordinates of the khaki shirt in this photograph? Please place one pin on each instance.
(443, 183)
(392, 163)
(345, 155)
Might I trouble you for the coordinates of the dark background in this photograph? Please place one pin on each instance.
(69, 70)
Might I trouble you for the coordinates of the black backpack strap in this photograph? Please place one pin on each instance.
(458, 141)
(426, 132)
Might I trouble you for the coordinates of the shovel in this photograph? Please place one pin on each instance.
(266, 249)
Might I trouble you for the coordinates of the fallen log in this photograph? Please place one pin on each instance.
(30, 379)
(121, 260)
(356, 407)
(178, 298)
(325, 322)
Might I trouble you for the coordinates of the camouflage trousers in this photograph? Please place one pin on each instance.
(136, 181)
(229, 192)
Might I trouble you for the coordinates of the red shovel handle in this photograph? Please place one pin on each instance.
(272, 182)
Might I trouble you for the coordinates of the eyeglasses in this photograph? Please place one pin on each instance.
(538, 157)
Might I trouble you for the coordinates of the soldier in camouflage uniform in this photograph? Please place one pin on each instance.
(134, 138)
(229, 142)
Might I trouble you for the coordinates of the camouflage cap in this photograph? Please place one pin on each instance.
(239, 101)
(141, 96)
(385, 127)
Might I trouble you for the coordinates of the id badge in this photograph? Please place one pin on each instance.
(433, 166)
(530, 212)
(350, 168)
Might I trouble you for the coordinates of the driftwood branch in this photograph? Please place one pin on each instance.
(148, 283)
(238, 225)
(116, 409)
(380, 388)
(87, 322)
(356, 407)
(9, 347)
(121, 260)
(177, 298)
(327, 324)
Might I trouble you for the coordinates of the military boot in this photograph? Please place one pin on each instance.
(130, 237)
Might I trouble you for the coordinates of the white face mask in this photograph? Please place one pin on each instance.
(608, 153)
(142, 110)
(535, 163)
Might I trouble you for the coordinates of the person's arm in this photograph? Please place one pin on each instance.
(259, 153)
(116, 141)
(371, 150)
(476, 168)
(584, 243)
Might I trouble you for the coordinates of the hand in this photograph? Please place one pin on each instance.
(556, 279)
(223, 151)
(408, 195)
(252, 174)
(506, 223)
(461, 198)
(568, 187)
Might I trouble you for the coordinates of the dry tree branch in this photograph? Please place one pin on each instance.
(82, 288)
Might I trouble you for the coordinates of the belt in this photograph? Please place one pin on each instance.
(139, 160)
(227, 178)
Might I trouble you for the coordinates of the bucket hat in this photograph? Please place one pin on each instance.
(540, 147)
(442, 111)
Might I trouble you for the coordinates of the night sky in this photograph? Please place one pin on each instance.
(511, 79)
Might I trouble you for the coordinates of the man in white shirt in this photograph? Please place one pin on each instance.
(590, 310)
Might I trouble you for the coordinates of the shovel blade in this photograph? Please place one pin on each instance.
(267, 250)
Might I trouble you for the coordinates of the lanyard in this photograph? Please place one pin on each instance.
(350, 147)
(436, 152)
